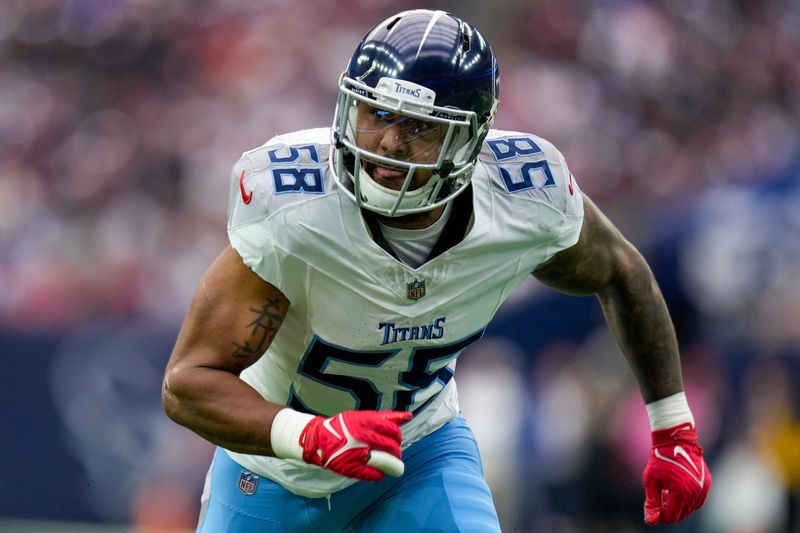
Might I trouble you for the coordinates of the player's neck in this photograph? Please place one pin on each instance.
(415, 221)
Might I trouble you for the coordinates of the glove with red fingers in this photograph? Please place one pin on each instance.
(359, 444)
(676, 479)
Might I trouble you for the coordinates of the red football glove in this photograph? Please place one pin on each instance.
(359, 444)
(676, 479)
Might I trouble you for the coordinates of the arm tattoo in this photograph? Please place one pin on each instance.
(262, 330)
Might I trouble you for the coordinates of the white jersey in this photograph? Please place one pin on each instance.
(364, 330)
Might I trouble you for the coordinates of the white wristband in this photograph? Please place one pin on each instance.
(670, 411)
(284, 437)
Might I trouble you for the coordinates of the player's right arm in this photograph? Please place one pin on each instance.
(232, 320)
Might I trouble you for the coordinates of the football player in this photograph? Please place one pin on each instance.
(320, 348)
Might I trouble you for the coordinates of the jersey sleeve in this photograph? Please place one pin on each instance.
(266, 185)
(570, 201)
(249, 228)
(532, 179)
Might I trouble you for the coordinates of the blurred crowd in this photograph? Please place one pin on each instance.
(120, 120)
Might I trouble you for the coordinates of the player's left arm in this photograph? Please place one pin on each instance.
(606, 264)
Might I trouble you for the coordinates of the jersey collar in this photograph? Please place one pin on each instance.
(453, 233)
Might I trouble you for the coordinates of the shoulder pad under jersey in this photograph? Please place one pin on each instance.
(527, 166)
(287, 169)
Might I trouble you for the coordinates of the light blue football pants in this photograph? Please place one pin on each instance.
(443, 489)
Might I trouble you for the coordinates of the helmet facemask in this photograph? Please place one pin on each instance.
(385, 137)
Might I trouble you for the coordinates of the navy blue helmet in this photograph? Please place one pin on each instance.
(415, 104)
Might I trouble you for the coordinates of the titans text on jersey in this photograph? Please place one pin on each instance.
(393, 333)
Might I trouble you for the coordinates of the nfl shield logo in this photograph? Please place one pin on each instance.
(416, 289)
(248, 483)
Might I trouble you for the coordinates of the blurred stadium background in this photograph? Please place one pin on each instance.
(120, 119)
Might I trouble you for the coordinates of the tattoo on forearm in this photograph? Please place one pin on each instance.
(262, 330)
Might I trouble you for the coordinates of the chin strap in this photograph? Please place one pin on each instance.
(385, 198)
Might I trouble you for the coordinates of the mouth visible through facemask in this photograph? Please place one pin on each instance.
(389, 177)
